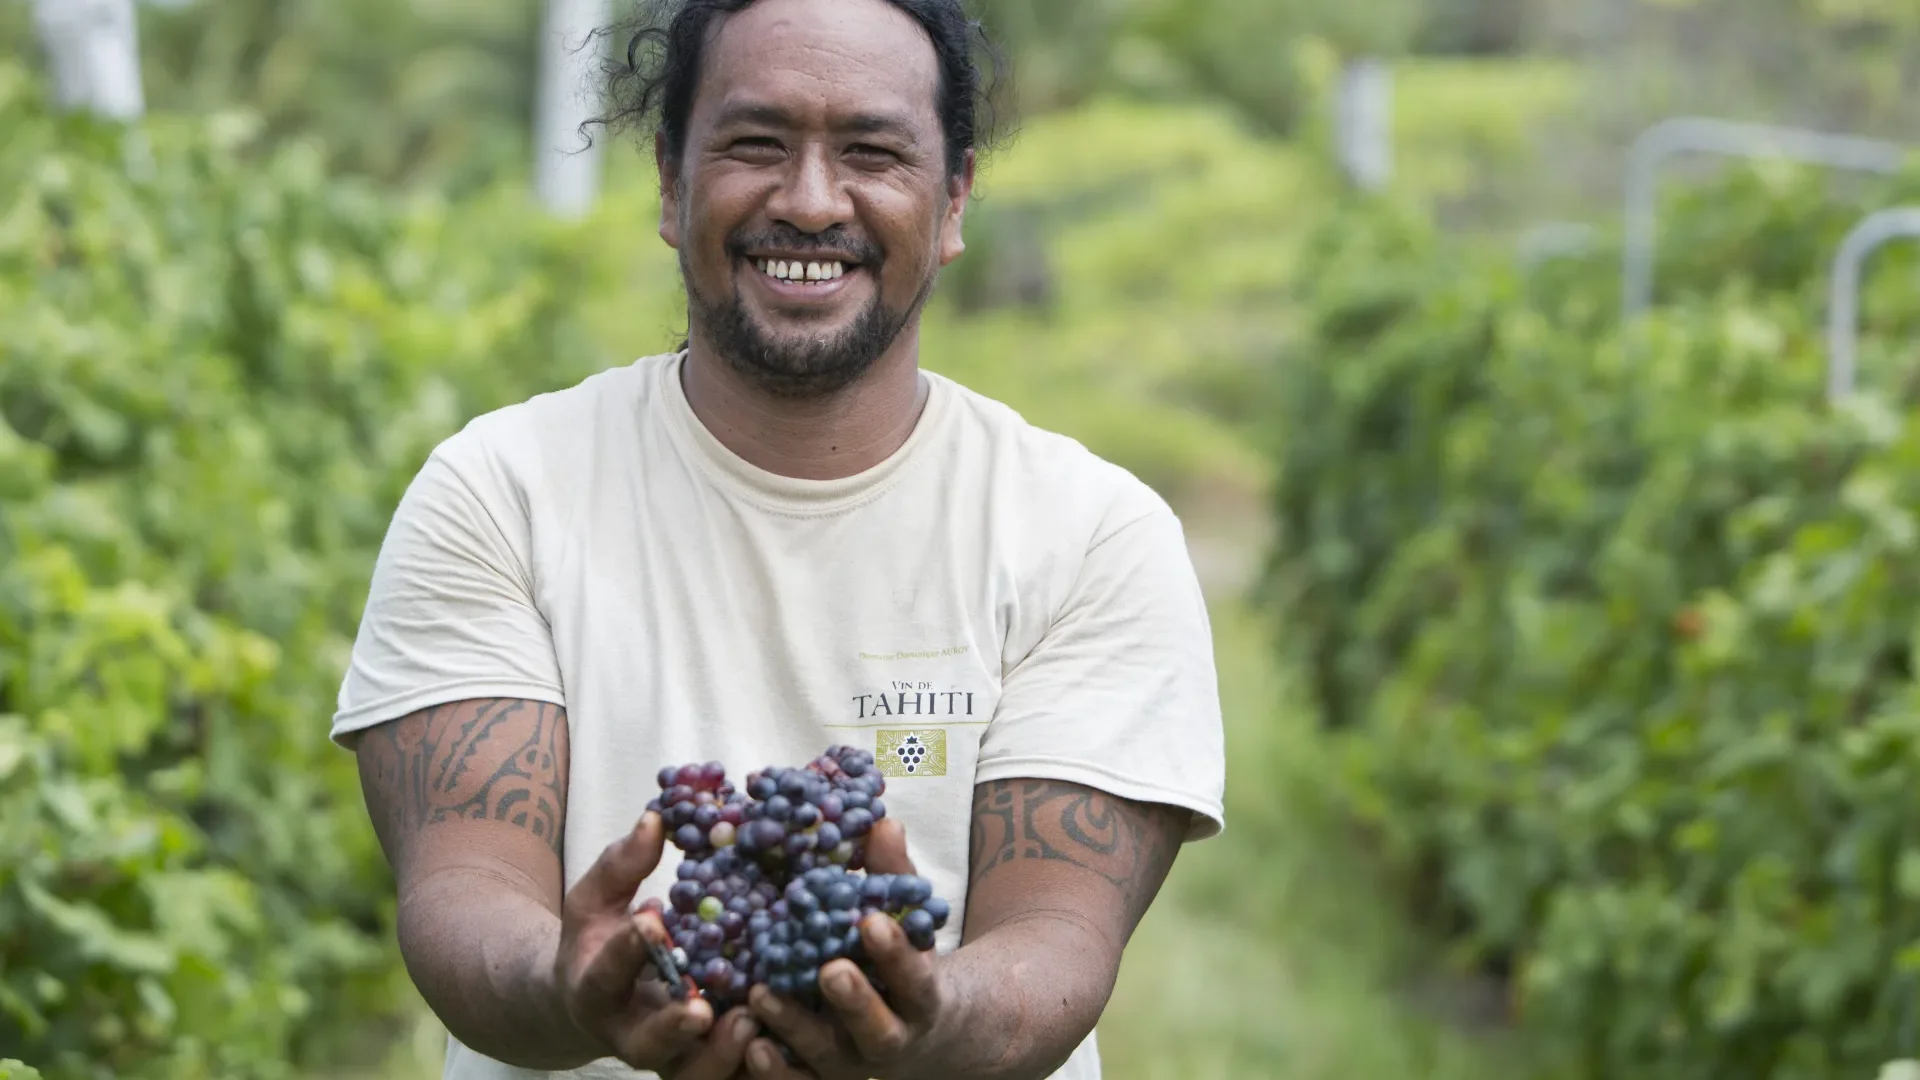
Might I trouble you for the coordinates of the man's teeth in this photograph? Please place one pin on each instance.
(788, 270)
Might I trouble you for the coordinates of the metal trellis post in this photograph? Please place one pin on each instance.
(1689, 134)
(566, 170)
(93, 56)
(1363, 123)
(1843, 306)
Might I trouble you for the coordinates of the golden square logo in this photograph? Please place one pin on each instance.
(917, 752)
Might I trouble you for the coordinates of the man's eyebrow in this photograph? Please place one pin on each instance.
(765, 115)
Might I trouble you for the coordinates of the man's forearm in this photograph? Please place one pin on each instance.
(1022, 997)
(482, 953)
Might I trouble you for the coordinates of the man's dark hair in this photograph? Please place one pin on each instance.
(654, 68)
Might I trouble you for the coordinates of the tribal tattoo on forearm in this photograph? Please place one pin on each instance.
(489, 760)
(1130, 844)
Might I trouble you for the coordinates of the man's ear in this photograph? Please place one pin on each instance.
(959, 191)
(669, 170)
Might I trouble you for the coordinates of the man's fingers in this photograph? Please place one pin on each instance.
(644, 1041)
(810, 1035)
(609, 884)
(764, 1062)
(723, 1055)
(887, 848)
(608, 978)
(878, 1033)
(913, 986)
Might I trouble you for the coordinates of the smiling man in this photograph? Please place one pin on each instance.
(782, 536)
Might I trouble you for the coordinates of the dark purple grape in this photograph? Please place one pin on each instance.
(759, 923)
(806, 981)
(842, 896)
(762, 787)
(856, 800)
(793, 784)
(805, 953)
(711, 774)
(779, 911)
(856, 822)
(676, 794)
(806, 815)
(874, 887)
(684, 939)
(938, 910)
(684, 896)
(687, 776)
(780, 808)
(799, 843)
(781, 982)
(732, 923)
(710, 936)
(665, 777)
(761, 835)
(831, 807)
(827, 836)
(918, 891)
(832, 948)
(877, 808)
(740, 905)
(777, 956)
(842, 920)
(690, 837)
(918, 921)
(734, 814)
(685, 870)
(706, 816)
(819, 926)
(899, 890)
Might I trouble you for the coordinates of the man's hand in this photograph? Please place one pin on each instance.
(610, 987)
(861, 1034)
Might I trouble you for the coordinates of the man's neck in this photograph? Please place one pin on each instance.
(817, 439)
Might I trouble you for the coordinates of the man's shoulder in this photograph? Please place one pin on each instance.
(1049, 468)
(543, 428)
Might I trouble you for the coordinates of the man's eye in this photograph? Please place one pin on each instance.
(758, 145)
(874, 153)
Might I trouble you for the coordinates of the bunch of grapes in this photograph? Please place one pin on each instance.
(770, 887)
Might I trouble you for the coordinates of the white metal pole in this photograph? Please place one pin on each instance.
(93, 52)
(566, 171)
(1364, 123)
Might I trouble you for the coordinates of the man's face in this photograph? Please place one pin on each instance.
(812, 208)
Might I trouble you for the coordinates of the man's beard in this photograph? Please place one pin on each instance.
(807, 365)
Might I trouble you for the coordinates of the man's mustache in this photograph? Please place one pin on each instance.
(853, 249)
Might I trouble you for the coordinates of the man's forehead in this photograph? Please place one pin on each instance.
(845, 61)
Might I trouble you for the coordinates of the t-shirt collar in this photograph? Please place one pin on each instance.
(788, 493)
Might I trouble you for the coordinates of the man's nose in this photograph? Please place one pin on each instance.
(812, 198)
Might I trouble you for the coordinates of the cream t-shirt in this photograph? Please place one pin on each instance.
(992, 601)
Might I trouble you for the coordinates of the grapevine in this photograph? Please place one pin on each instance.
(771, 885)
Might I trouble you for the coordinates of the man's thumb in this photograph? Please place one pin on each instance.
(610, 883)
(887, 849)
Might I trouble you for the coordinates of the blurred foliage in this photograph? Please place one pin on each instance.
(1617, 624)
(217, 374)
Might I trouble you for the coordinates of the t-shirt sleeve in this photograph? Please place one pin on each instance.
(1120, 693)
(450, 612)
